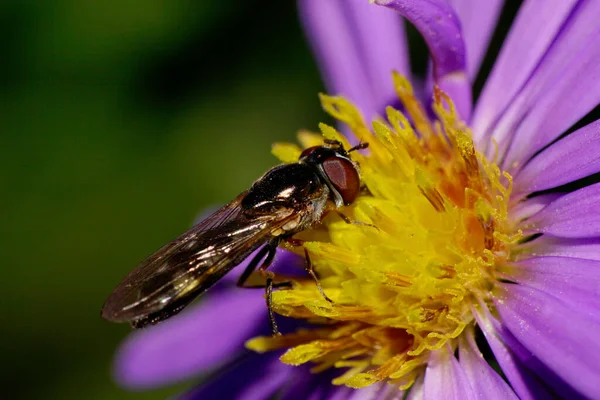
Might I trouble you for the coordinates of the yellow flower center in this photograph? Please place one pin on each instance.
(433, 228)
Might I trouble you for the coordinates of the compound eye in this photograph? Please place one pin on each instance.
(307, 152)
(344, 177)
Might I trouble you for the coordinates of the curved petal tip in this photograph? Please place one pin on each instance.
(437, 21)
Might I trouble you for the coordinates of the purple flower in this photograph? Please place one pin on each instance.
(526, 259)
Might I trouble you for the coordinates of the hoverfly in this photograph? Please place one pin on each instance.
(286, 200)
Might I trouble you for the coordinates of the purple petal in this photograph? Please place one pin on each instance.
(440, 27)
(331, 37)
(381, 39)
(560, 336)
(269, 381)
(588, 248)
(533, 363)
(346, 393)
(562, 89)
(338, 393)
(204, 337)
(528, 207)
(343, 393)
(382, 391)
(356, 55)
(533, 31)
(574, 157)
(416, 391)
(445, 378)
(575, 281)
(309, 386)
(486, 383)
(256, 377)
(574, 215)
(478, 20)
(377, 391)
(458, 87)
(524, 383)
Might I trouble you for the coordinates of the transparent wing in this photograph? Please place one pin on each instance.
(191, 263)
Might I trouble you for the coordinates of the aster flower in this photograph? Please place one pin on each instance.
(482, 239)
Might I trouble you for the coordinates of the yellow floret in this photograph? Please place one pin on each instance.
(434, 227)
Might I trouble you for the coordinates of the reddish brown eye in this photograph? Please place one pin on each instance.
(343, 176)
(308, 151)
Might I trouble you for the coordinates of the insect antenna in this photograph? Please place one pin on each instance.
(359, 146)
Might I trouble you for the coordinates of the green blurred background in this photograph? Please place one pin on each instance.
(121, 120)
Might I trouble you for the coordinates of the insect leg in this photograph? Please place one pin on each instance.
(272, 248)
(311, 272)
(245, 276)
(309, 266)
(252, 266)
(295, 242)
(349, 221)
(269, 251)
(274, 328)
